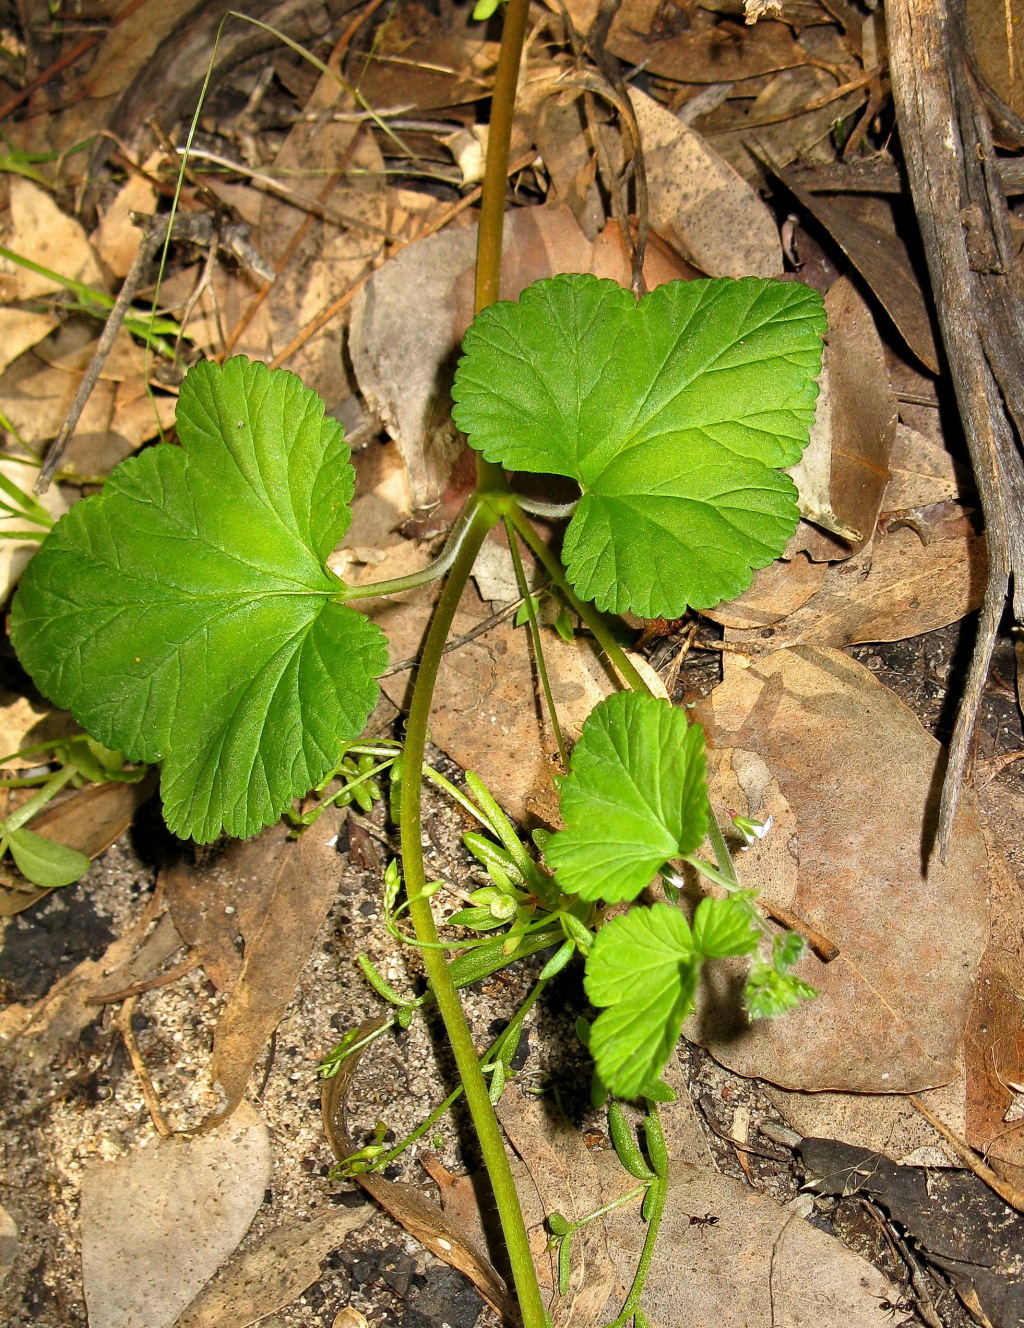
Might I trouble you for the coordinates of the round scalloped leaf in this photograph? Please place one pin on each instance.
(184, 615)
(675, 416)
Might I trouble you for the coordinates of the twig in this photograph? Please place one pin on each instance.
(964, 225)
(266, 184)
(672, 676)
(187, 965)
(825, 949)
(456, 641)
(151, 241)
(153, 237)
(123, 1023)
(345, 299)
(1007, 1192)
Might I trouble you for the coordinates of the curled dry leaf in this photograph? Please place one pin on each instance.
(158, 1222)
(853, 774)
(441, 1233)
(882, 259)
(759, 1265)
(699, 199)
(842, 475)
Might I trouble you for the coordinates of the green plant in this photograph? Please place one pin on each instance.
(185, 616)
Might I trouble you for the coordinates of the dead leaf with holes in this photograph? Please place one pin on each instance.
(851, 777)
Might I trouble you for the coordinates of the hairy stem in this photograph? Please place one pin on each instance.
(538, 646)
(475, 1085)
(587, 612)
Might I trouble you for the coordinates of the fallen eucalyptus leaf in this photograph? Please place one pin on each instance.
(158, 1222)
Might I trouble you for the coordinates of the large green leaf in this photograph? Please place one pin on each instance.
(635, 797)
(674, 415)
(184, 615)
(643, 968)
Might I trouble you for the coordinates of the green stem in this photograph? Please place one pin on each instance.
(434, 571)
(587, 612)
(36, 803)
(642, 1188)
(659, 1190)
(475, 1085)
(721, 850)
(538, 647)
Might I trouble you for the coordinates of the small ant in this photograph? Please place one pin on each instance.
(708, 1220)
(894, 1307)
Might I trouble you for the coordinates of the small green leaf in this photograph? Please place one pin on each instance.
(634, 798)
(769, 993)
(644, 969)
(185, 615)
(43, 862)
(723, 927)
(787, 951)
(483, 9)
(478, 919)
(558, 1225)
(675, 416)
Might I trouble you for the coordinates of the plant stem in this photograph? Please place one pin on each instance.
(721, 850)
(39, 800)
(538, 647)
(434, 571)
(484, 1120)
(499, 138)
(587, 612)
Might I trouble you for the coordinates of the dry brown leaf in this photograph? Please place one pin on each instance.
(442, 1234)
(408, 320)
(776, 591)
(844, 471)
(878, 1121)
(696, 196)
(896, 588)
(780, 128)
(761, 1265)
(706, 52)
(268, 1276)
(44, 234)
(72, 345)
(486, 714)
(158, 1222)
(850, 775)
(300, 879)
(920, 473)
(20, 331)
(567, 1182)
(882, 259)
(425, 73)
(995, 36)
(116, 239)
(36, 398)
(994, 1042)
(328, 260)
